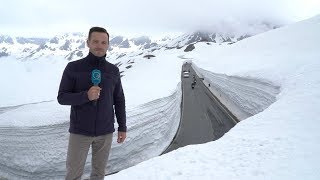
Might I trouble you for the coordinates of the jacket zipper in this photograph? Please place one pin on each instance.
(97, 110)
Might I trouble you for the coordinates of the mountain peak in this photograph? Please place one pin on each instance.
(6, 39)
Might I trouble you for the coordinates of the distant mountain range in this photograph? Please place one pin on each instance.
(73, 45)
(122, 51)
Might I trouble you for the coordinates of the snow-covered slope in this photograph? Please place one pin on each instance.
(279, 143)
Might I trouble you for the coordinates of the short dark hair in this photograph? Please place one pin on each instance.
(97, 29)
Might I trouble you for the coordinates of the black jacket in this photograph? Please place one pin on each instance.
(86, 118)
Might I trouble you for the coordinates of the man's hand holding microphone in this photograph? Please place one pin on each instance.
(94, 91)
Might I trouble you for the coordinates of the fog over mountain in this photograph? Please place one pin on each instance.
(34, 18)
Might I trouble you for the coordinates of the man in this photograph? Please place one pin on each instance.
(92, 107)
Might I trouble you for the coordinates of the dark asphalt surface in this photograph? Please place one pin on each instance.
(203, 117)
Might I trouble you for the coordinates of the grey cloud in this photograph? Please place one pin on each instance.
(147, 15)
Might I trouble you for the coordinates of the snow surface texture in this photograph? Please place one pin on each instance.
(244, 96)
(39, 152)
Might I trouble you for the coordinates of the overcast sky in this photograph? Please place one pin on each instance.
(136, 17)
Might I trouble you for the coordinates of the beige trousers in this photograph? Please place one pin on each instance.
(77, 154)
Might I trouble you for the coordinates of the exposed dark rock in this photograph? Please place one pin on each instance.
(130, 61)
(66, 46)
(154, 49)
(124, 44)
(201, 37)
(121, 74)
(6, 39)
(169, 48)
(3, 54)
(71, 55)
(118, 64)
(41, 47)
(226, 39)
(149, 56)
(121, 55)
(150, 45)
(243, 37)
(141, 40)
(26, 49)
(189, 48)
(127, 67)
(54, 40)
(116, 40)
(79, 54)
(82, 46)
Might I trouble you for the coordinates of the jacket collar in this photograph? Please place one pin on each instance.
(92, 59)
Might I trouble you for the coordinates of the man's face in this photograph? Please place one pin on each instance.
(98, 43)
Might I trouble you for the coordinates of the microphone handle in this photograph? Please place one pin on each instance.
(94, 102)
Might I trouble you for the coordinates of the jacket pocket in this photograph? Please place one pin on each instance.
(87, 115)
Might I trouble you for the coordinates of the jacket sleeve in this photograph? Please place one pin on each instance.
(66, 94)
(120, 107)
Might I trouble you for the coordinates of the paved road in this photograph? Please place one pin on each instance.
(204, 118)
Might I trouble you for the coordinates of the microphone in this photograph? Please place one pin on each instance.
(95, 79)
